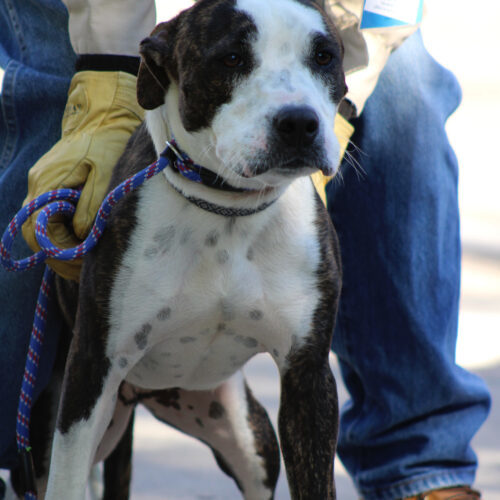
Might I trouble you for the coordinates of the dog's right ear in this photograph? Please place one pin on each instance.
(153, 79)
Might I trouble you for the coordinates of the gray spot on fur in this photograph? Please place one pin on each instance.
(256, 314)
(250, 254)
(186, 234)
(178, 376)
(122, 362)
(166, 354)
(164, 238)
(141, 337)
(285, 48)
(149, 363)
(164, 313)
(227, 310)
(186, 340)
(216, 410)
(212, 238)
(284, 80)
(221, 326)
(199, 422)
(150, 252)
(246, 341)
(276, 353)
(222, 256)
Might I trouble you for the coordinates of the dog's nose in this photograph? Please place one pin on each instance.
(297, 126)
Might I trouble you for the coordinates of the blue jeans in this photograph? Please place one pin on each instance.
(413, 412)
(38, 61)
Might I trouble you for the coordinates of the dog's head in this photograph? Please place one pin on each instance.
(251, 87)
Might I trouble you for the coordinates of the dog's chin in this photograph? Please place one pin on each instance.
(286, 170)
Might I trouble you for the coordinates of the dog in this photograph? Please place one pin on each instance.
(194, 277)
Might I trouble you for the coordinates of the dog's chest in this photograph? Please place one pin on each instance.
(197, 295)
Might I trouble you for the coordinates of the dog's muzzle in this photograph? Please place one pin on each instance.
(295, 144)
(296, 127)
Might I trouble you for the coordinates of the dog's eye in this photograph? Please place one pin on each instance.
(323, 57)
(232, 60)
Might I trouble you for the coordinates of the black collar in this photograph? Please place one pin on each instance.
(181, 164)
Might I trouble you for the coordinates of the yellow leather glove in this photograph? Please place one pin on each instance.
(343, 130)
(101, 113)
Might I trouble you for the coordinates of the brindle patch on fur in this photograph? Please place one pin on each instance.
(308, 387)
(214, 29)
(265, 438)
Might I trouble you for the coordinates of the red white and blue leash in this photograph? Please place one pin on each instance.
(58, 201)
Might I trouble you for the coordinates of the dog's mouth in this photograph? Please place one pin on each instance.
(289, 166)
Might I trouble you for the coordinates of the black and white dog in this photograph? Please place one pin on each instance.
(192, 279)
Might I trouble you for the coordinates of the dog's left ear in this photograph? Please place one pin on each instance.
(153, 79)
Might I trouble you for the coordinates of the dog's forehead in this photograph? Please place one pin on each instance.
(284, 21)
(211, 21)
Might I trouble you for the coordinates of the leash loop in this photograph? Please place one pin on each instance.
(64, 201)
(20, 218)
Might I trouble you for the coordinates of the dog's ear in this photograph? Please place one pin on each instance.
(153, 79)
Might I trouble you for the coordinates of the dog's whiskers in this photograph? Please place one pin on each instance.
(353, 162)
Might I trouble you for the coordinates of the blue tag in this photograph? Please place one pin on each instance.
(391, 13)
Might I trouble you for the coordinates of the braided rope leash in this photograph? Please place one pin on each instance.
(58, 201)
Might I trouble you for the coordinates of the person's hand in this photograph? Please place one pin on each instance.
(101, 113)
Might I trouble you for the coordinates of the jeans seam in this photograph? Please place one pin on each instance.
(8, 112)
(17, 30)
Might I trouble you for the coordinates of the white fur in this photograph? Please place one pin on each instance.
(206, 286)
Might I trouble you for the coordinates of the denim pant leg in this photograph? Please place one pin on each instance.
(38, 61)
(412, 414)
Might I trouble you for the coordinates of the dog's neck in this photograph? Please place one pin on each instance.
(217, 198)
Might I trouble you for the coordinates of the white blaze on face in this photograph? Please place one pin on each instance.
(281, 76)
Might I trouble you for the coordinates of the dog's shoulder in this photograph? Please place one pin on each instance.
(138, 154)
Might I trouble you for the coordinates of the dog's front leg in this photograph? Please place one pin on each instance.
(308, 424)
(88, 399)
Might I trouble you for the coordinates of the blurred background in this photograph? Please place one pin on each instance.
(170, 465)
